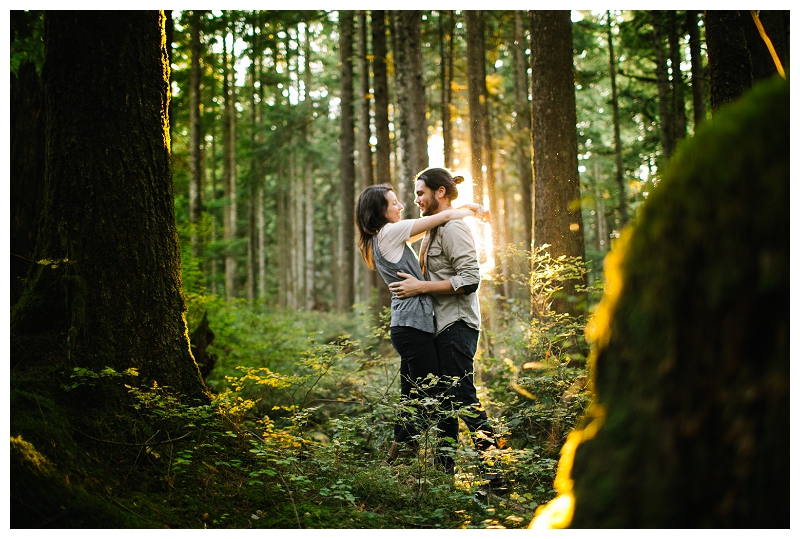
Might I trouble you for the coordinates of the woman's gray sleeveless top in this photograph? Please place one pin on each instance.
(417, 311)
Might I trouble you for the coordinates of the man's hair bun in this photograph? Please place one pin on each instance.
(458, 179)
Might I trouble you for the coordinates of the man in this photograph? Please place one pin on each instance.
(450, 267)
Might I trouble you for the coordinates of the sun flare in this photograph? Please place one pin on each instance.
(481, 231)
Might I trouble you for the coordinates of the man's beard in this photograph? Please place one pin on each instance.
(432, 208)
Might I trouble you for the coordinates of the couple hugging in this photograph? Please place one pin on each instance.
(436, 316)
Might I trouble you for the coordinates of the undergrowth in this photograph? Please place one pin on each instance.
(300, 419)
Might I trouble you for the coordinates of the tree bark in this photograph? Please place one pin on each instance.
(403, 121)
(446, 74)
(383, 147)
(27, 169)
(698, 86)
(475, 81)
(309, 176)
(368, 281)
(776, 26)
(346, 295)
(664, 99)
(612, 70)
(416, 92)
(678, 106)
(557, 219)
(730, 72)
(113, 298)
(195, 136)
(522, 127)
(229, 166)
(381, 87)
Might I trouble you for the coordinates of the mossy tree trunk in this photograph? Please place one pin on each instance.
(111, 296)
(690, 421)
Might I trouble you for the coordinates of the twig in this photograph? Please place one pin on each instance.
(129, 511)
(294, 506)
(130, 444)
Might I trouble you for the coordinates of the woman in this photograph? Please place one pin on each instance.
(383, 242)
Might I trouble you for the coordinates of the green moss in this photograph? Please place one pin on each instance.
(693, 340)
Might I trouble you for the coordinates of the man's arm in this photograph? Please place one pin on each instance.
(411, 286)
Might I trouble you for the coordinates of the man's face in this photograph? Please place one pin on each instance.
(426, 199)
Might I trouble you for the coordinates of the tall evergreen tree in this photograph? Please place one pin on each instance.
(347, 169)
(557, 219)
(110, 295)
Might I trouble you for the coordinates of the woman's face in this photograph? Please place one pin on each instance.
(394, 211)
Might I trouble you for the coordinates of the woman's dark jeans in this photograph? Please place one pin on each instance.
(455, 348)
(417, 360)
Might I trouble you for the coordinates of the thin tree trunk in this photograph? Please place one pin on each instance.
(403, 122)
(612, 70)
(475, 81)
(284, 261)
(368, 281)
(416, 93)
(678, 105)
(253, 183)
(381, 87)
(522, 127)
(698, 86)
(730, 72)
(195, 137)
(383, 147)
(446, 74)
(664, 100)
(346, 165)
(228, 164)
(309, 177)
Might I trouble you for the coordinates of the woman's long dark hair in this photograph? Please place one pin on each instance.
(370, 218)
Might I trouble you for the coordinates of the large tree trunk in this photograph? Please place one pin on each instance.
(475, 81)
(27, 125)
(347, 169)
(195, 136)
(522, 127)
(664, 99)
(557, 219)
(730, 72)
(111, 295)
(612, 70)
(698, 86)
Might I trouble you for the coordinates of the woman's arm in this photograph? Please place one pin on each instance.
(423, 224)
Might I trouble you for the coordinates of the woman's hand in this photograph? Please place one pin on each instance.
(409, 287)
(476, 209)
